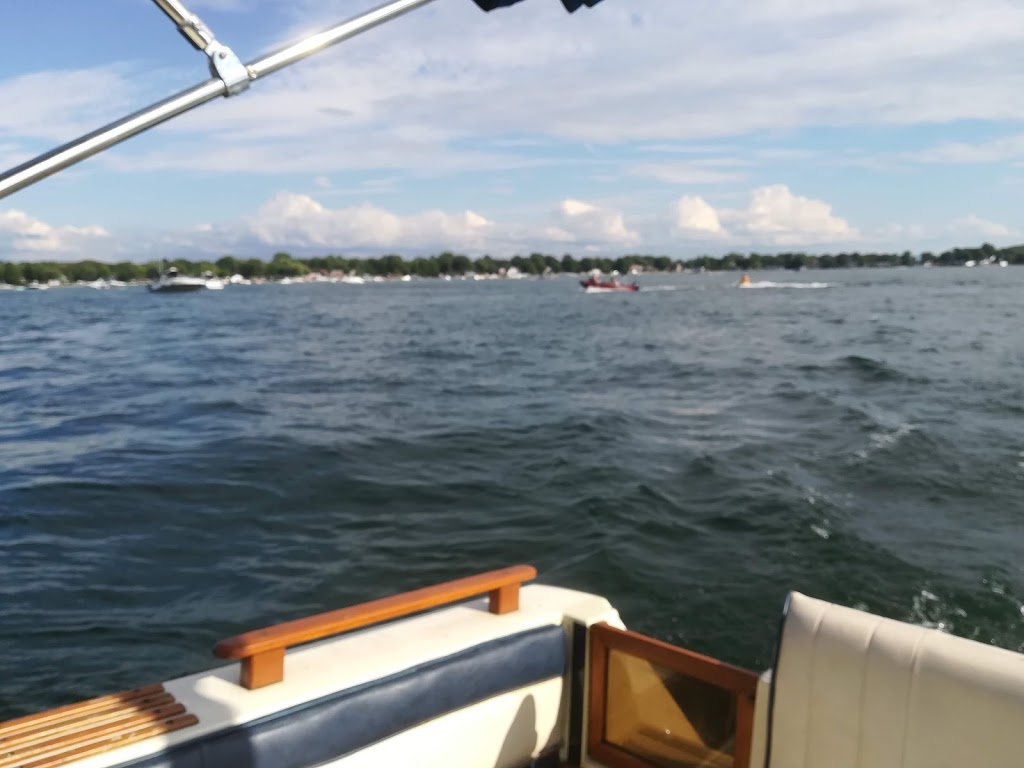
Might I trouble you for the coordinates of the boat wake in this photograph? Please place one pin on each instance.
(770, 284)
(592, 289)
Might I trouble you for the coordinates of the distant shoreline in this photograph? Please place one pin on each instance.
(452, 265)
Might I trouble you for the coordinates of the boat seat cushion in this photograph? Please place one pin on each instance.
(341, 724)
(853, 690)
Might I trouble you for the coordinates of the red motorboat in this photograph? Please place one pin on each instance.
(593, 285)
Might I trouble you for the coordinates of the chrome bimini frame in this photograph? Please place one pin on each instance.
(229, 77)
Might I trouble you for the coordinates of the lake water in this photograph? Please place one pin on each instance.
(175, 469)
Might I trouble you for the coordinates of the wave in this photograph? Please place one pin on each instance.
(869, 368)
(884, 439)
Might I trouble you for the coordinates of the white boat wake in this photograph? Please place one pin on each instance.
(770, 284)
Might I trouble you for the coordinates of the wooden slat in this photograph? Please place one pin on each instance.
(49, 743)
(111, 701)
(159, 729)
(82, 721)
(261, 650)
(66, 734)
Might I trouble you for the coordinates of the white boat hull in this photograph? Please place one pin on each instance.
(534, 683)
(177, 287)
(592, 289)
(171, 281)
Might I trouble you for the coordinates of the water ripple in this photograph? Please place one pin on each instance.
(175, 471)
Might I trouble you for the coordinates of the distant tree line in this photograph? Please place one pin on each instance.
(448, 263)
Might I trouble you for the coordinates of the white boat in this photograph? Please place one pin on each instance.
(353, 280)
(35, 285)
(527, 676)
(213, 283)
(544, 676)
(105, 283)
(171, 281)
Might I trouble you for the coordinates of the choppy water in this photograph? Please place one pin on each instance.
(174, 469)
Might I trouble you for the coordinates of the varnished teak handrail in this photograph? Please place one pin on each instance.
(262, 650)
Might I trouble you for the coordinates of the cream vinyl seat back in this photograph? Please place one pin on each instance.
(853, 690)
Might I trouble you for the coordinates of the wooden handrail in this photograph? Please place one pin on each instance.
(262, 650)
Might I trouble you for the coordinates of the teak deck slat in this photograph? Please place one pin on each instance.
(66, 734)
(111, 701)
(56, 760)
(91, 718)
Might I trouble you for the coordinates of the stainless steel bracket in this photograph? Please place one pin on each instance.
(224, 63)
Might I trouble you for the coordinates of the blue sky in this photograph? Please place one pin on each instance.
(637, 126)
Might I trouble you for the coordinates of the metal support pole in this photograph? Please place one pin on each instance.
(190, 25)
(116, 132)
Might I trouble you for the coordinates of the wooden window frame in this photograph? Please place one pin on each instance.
(605, 638)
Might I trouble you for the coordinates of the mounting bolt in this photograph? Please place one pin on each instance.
(222, 55)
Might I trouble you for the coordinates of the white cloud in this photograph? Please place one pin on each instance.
(405, 95)
(56, 105)
(304, 224)
(587, 223)
(777, 216)
(992, 151)
(223, 5)
(426, 98)
(774, 217)
(697, 172)
(21, 234)
(695, 217)
(299, 220)
(973, 224)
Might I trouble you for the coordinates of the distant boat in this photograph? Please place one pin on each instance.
(103, 284)
(171, 281)
(593, 285)
(213, 283)
(35, 285)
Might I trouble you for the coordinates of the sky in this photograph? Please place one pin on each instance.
(637, 126)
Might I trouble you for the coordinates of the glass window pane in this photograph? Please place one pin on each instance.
(666, 718)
